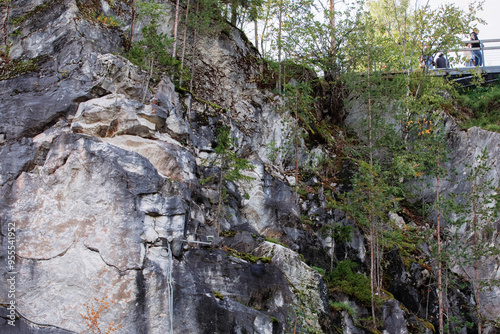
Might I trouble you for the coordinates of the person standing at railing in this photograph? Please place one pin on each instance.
(467, 56)
(441, 61)
(476, 54)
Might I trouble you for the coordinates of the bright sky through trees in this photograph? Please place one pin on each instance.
(490, 13)
(490, 30)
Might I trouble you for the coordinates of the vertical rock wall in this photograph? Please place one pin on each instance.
(100, 186)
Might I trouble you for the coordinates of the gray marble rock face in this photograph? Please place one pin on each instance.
(100, 176)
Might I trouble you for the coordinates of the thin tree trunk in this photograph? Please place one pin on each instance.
(234, 13)
(219, 206)
(297, 147)
(256, 28)
(266, 20)
(372, 225)
(149, 78)
(440, 263)
(184, 43)
(194, 50)
(174, 46)
(372, 264)
(332, 29)
(5, 26)
(333, 252)
(279, 46)
(134, 10)
(476, 260)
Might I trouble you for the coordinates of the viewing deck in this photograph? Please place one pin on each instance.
(465, 75)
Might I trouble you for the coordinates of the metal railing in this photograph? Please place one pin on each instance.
(481, 48)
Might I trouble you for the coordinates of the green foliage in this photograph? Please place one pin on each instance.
(152, 52)
(406, 240)
(478, 210)
(299, 100)
(231, 168)
(207, 19)
(344, 306)
(275, 241)
(109, 21)
(298, 320)
(484, 103)
(228, 234)
(423, 31)
(241, 10)
(454, 325)
(371, 196)
(305, 219)
(272, 151)
(18, 20)
(218, 295)
(342, 233)
(17, 67)
(346, 280)
(246, 256)
(319, 270)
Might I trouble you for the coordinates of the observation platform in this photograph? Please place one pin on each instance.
(464, 76)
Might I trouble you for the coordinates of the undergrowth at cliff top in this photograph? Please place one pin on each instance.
(484, 106)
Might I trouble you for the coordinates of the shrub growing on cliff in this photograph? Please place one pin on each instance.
(151, 53)
(230, 169)
(346, 280)
(485, 105)
(473, 243)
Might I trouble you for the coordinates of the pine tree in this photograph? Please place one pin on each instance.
(230, 168)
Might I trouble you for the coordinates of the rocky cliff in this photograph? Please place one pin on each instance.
(105, 196)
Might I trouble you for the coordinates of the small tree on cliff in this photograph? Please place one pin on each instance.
(368, 204)
(151, 53)
(230, 168)
(477, 211)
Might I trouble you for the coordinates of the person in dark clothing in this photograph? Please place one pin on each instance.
(476, 54)
(441, 61)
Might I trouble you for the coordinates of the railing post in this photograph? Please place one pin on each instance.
(482, 53)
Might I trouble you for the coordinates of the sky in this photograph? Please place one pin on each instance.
(490, 13)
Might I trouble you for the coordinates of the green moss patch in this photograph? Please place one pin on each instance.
(246, 256)
(17, 67)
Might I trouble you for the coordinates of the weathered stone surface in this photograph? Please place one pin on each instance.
(66, 47)
(112, 115)
(466, 147)
(14, 159)
(78, 195)
(170, 159)
(302, 278)
(394, 318)
(270, 201)
(100, 175)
